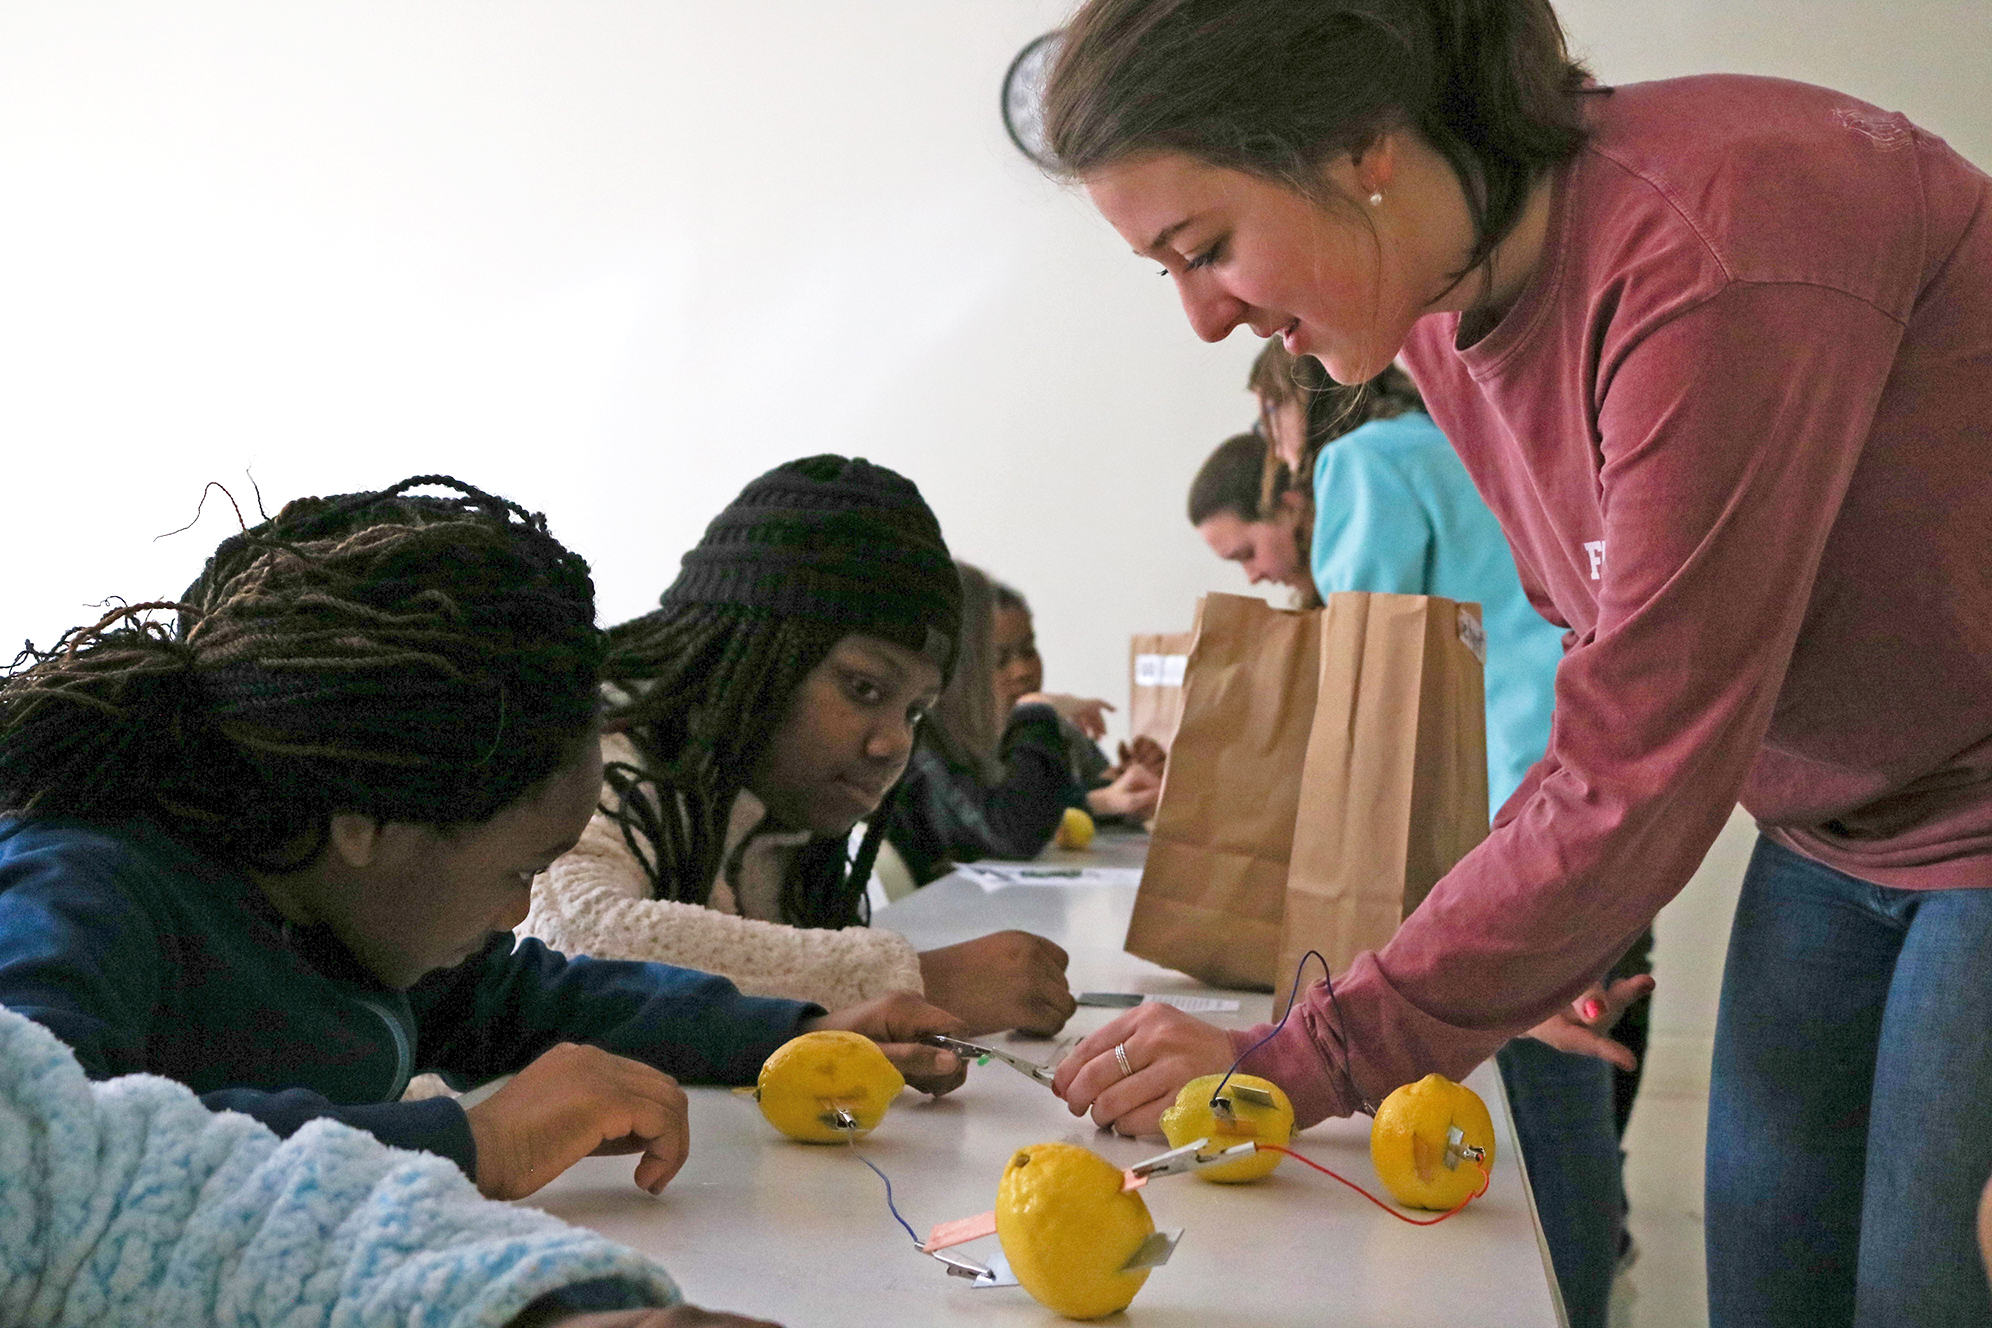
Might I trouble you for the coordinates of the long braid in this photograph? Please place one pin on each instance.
(703, 690)
(413, 658)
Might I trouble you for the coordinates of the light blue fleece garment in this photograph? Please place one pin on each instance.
(1394, 510)
(126, 1202)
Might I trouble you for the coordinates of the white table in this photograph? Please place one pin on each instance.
(798, 1233)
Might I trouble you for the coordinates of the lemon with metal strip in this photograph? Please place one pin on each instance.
(1070, 1227)
(1429, 1142)
(1252, 1108)
(827, 1087)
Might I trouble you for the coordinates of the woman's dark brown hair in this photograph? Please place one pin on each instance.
(1278, 88)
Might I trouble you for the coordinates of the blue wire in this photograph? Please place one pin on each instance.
(888, 1192)
(1329, 979)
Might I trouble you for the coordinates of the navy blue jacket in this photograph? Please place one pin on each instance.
(145, 956)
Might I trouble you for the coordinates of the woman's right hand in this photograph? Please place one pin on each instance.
(1007, 979)
(1584, 1027)
(572, 1102)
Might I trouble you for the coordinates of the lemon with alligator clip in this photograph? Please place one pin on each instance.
(827, 1087)
(1414, 1149)
(1075, 829)
(1250, 1118)
(1069, 1228)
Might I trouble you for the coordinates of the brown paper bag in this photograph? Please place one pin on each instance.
(1213, 891)
(1393, 791)
(1155, 685)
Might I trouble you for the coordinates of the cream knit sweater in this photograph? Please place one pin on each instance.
(595, 900)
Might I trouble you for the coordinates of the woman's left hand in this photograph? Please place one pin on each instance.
(1165, 1049)
(1583, 1027)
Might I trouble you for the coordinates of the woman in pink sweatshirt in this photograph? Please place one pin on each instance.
(1717, 351)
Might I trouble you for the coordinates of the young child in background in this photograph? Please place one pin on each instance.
(768, 706)
(1250, 513)
(273, 854)
(129, 1204)
(983, 783)
(1126, 789)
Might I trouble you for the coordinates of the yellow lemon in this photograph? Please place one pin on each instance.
(812, 1077)
(1192, 1119)
(1408, 1143)
(1075, 829)
(1067, 1227)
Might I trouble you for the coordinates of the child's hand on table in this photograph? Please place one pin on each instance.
(1007, 979)
(1133, 794)
(1165, 1049)
(572, 1102)
(893, 1021)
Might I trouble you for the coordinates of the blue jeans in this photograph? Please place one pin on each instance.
(1562, 1104)
(1848, 1132)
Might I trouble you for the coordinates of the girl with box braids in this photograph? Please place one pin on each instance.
(711, 685)
(807, 554)
(770, 703)
(412, 658)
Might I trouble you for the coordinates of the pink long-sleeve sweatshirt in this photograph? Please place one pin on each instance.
(1738, 430)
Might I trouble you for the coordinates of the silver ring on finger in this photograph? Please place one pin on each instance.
(1120, 1059)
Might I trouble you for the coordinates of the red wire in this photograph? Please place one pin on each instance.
(1486, 1179)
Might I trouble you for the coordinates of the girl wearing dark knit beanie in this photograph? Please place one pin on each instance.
(763, 710)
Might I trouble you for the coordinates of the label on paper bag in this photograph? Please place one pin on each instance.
(1160, 670)
(1472, 635)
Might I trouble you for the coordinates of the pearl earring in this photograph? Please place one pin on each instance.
(1376, 199)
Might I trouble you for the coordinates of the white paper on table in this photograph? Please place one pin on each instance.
(997, 876)
(1195, 1004)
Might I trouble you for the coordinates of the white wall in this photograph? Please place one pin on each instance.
(615, 258)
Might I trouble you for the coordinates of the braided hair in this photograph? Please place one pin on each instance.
(808, 553)
(421, 659)
(703, 689)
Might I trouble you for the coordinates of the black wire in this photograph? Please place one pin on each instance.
(1292, 995)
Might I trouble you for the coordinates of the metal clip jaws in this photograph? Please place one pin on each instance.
(997, 1274)
(1190, 1157)
(1154, 1251)
(1458, 1149)
(839, 1119)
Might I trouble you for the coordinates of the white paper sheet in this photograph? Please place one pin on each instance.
(997, 876)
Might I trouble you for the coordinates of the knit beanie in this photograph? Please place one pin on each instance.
(837, 541)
